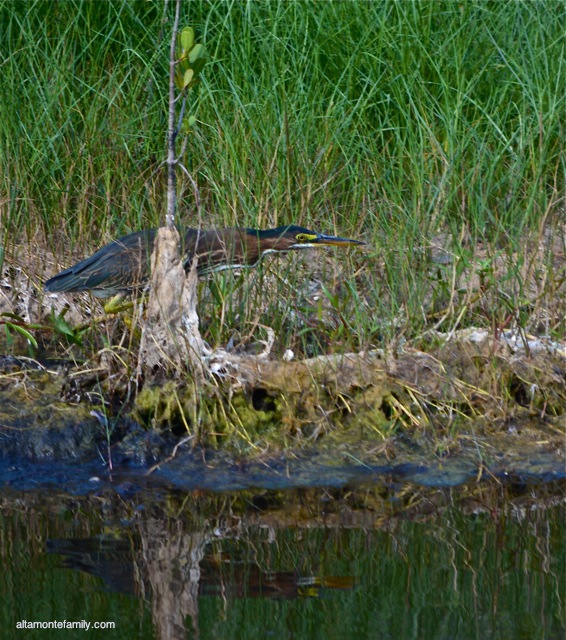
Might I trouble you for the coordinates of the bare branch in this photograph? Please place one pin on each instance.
(185, 95)
(196, 191)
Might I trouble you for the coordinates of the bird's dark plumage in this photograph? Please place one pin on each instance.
(124, 265)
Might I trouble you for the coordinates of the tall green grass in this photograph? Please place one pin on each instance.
(389, 121)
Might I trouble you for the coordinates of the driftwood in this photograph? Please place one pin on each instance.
(170, 336)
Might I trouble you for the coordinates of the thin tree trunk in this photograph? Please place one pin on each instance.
(171, 132)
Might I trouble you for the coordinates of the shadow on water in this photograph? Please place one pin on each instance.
(388, 560)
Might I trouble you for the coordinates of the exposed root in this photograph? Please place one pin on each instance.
(171, 340)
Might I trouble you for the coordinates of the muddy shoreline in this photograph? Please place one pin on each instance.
(56, 432)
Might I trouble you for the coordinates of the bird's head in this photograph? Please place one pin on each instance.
(293, 237)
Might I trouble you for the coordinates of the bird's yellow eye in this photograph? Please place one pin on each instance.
(304, 237)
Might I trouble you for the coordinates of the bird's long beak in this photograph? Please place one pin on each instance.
(335, 241)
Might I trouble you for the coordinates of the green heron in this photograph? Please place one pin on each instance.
(124, 265)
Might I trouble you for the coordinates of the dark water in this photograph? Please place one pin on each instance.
(382, 561)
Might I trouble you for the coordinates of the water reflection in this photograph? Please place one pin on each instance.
(483, 562)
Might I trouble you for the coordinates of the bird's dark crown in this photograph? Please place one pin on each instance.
(278, 232)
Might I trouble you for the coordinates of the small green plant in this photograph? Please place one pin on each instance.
(62, 328)
(15, 324)
(191, 58)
